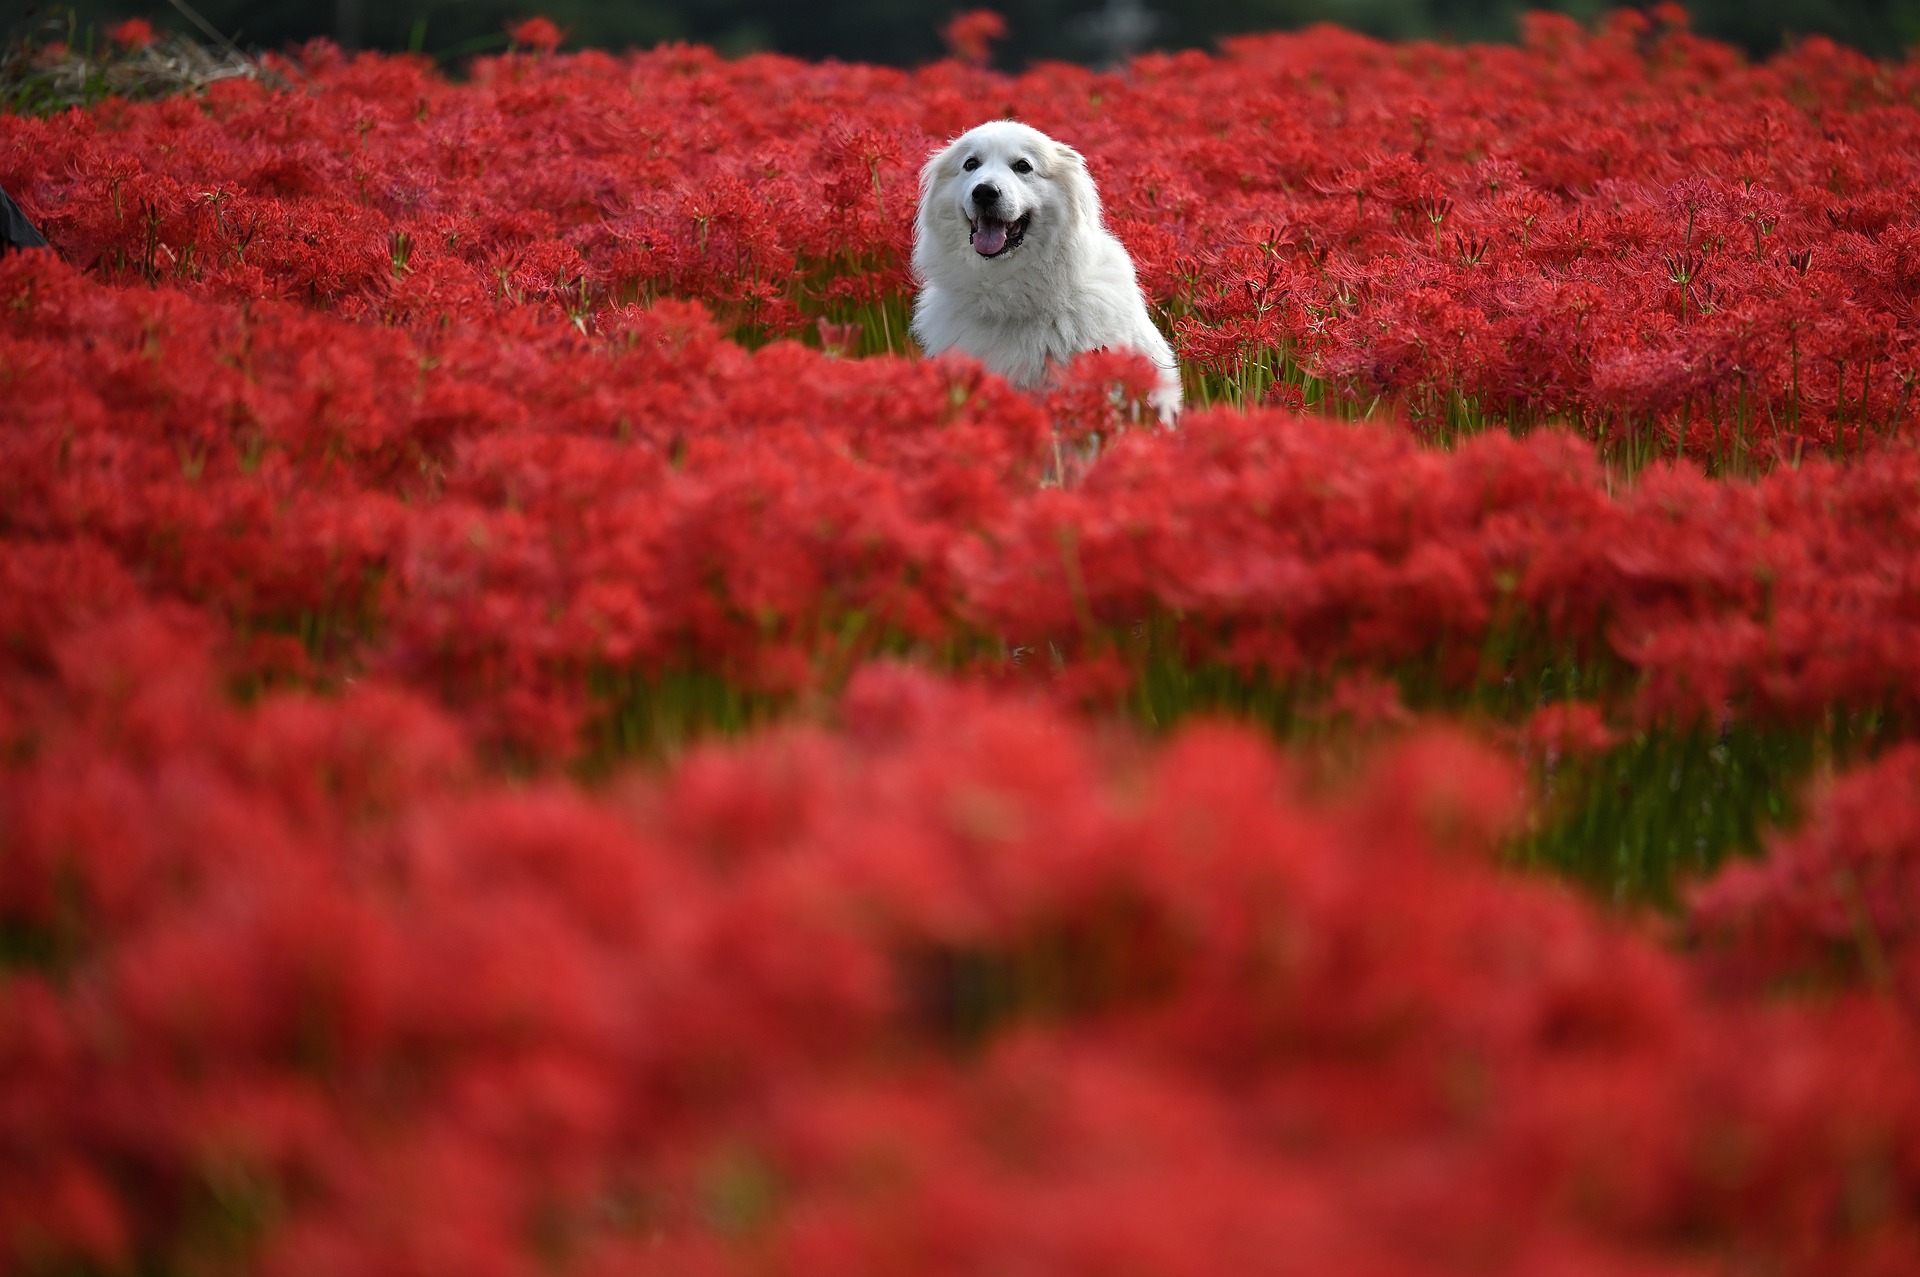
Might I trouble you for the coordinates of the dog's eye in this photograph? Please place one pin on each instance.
(970, 165)
(1021, 166)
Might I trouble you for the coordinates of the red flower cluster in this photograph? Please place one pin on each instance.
(538, 34)
(969, 35)
(296, 988)
(362, 442)
(1281, 548)
(1632, 230)
(501, 509)
(134, 33)
(1837, 902)
(504, 512)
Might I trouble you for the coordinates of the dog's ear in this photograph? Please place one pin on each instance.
(929, 174)
(931, 212)
(1083, 199)
(936, 168)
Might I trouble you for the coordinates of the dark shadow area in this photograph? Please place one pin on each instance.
(15, 230)
(905, 32)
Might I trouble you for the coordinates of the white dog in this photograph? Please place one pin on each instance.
(1016, 267)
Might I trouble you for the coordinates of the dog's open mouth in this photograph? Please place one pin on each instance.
(992, 237)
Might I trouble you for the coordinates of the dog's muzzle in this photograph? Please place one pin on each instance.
(991, 237)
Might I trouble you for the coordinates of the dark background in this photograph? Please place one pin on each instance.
(907, 31)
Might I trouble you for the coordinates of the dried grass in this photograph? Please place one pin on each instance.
(49, 67)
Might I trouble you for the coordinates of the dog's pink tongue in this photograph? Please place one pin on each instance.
(989, 238)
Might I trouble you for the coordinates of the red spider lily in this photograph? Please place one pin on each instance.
(521, 501)
(133, 33)
(969, 34)
(954, 986)
(1100, 395)
(538, 34)
(1489, 234)
(371, 456)
(1835, 903)
(1570, 728)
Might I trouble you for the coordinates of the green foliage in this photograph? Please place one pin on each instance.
(1666, 806)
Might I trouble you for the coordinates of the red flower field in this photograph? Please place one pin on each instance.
(537, 734)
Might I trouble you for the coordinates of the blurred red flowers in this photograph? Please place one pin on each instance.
(389, 466)
(945, 988)
(133, 33)
(969, 35)
(1838, 903)
(538, 34)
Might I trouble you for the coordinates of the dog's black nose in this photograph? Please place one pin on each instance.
(986, 195)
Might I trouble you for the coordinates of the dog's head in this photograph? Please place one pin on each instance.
(998, 192)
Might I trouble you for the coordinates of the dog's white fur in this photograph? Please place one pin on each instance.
(1065, 287)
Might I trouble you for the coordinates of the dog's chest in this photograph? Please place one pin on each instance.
(1020, 344)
